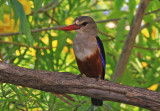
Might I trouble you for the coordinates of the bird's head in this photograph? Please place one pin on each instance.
(82, 24)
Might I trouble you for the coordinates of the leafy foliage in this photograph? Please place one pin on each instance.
(52, 50)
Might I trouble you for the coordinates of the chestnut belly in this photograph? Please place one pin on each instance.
(91, 66)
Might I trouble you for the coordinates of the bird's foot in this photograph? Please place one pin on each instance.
(99, 78)
(78, 76)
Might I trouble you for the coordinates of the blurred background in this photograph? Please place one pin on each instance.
(28, 39)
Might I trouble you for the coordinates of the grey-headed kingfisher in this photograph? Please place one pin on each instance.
(88, 49)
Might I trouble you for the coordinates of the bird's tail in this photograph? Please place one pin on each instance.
(96, 102)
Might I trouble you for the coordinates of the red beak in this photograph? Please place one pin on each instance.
(71, 27)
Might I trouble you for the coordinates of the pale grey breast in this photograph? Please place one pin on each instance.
(84, 46)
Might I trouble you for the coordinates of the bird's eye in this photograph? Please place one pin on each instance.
(84, 23)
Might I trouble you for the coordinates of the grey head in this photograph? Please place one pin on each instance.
(87, 25)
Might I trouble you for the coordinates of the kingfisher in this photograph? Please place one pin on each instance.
(88, 49)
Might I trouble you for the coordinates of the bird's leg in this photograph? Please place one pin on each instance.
(99, 77)
(80, 75)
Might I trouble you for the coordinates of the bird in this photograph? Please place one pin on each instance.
(88, 49)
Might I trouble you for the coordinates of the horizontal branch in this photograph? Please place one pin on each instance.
(32, 31)
(116, 19)
(63, 82)
(47, 48)
(24, 45)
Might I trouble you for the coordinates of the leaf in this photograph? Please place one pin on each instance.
(1, 14)
(132, 6)
(61, 43)
(24, 25)
(153, 87)
(118, 4)
(116, 14)
(2, 2)
(156, 4)
(37, 5)
(120, 30)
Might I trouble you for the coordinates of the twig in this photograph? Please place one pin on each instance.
(60, 97)
(79, 105)
(46, 48)
(23, 45)
(116, 19)
(129, 43)
(32, 31)
(148, 24)
(47, 7)
(63, 82)
(152, 12)
(107, 35)
(140, 47)
(108, 20)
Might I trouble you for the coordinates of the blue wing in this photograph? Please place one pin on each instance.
(100, 45)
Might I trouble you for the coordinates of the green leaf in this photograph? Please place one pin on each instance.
(37, 5)
(2, 2)
(114, 14)
(156, 4)
(132, 6)
(24, 25)
(149, 19)
(118, 4)
(61, 43)
(120, 30)
(1, 14)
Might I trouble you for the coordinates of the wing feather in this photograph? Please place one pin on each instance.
(102, 52)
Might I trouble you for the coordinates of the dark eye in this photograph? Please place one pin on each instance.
(84, 23)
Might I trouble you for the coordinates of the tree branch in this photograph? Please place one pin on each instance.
(47, 7)
(32, 31)
(24, 45)
(47, 48)
(129, 43)
(116, 19)
(63, 82)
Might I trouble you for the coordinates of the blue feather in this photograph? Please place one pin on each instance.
(103, 60)
(102, 52)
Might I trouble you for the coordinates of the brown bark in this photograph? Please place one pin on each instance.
(63, 82)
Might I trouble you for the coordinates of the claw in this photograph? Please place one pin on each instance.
(78, 76)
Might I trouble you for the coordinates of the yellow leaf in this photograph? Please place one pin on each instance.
(22, 49)
(17, 52)
(153, 87)
(54, 43)
(32, 52)
(45, 39)
(53, 33)
(145, 33)
(69, 20)
(72, 52)
(36, 109)
(154, 33)
(26, 5)
(8, 25)
(144, 64)
(65, 49)
(69, 41)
